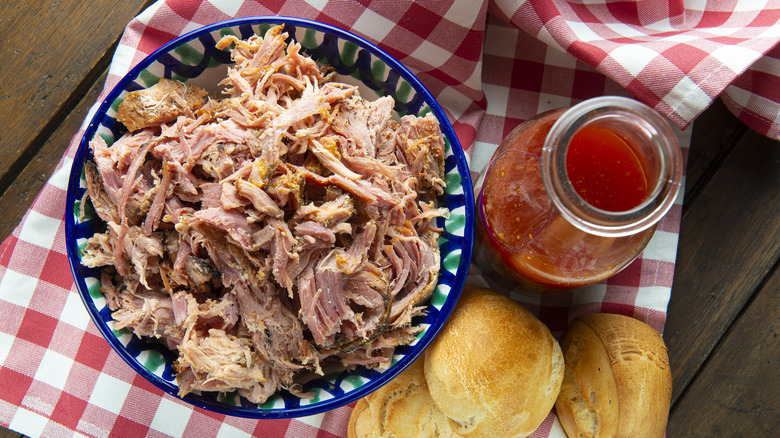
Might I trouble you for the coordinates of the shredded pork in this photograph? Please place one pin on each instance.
(268, 232)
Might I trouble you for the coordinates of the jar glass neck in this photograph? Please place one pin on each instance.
(651, 140)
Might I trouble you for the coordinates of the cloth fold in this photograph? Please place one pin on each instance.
(675, 56)
(492, 65)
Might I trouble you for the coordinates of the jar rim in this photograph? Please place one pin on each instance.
(624, 113)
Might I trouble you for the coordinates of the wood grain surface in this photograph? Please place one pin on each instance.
(52, 52)
(735, 393)
(728, 247)
(724, 312)
(5, 433)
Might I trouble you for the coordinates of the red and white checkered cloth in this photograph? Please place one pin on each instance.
(492, 64)
(674, 55)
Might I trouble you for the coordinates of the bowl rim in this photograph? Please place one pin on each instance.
(373, 383)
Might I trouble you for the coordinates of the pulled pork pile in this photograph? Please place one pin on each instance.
(267, 233)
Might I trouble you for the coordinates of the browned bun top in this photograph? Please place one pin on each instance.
(495, 369)
(617, 380)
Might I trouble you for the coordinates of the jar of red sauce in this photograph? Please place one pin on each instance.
(573, 196)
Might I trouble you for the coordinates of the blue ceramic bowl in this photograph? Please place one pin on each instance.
(193, 58)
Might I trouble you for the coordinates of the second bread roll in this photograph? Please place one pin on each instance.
(617, 381)
(495, 369)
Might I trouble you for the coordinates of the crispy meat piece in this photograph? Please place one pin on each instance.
(160, 103)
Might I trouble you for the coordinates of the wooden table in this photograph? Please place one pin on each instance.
(724, 315)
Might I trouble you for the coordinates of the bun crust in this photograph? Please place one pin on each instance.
(495, 369)
(401, 408)
(617, 380)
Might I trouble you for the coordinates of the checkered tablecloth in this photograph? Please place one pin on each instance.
(492, 64)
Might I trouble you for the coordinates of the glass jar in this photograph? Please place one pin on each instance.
(572, 196)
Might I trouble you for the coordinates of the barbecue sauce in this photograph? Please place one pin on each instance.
(605, 170)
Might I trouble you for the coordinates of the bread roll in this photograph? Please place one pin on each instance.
(401, 408)
(494, 370)
(617, 381)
